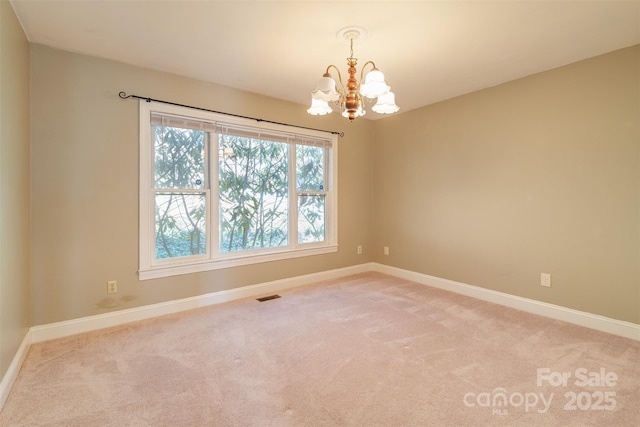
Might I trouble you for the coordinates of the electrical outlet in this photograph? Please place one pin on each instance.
(386, 250)
(359, 250)
(112, 286)
(545, 280)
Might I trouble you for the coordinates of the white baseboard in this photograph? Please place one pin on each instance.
(115, 318)
(71, 327)
(91, 323)
(581, 318)
(14, 368)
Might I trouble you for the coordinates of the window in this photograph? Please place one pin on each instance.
(219, 191)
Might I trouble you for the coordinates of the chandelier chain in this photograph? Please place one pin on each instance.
(351, 40)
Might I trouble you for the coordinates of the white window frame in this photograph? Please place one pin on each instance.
(150, 268)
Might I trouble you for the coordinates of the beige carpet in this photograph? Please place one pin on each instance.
(367, 350)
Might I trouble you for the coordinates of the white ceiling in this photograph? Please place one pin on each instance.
(428, 50)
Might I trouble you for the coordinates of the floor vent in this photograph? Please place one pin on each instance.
(270, 297)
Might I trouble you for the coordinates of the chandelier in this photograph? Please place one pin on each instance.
(350, 98)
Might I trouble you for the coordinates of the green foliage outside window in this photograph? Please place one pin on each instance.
(253, 192)
(180, 215)
(310, 180)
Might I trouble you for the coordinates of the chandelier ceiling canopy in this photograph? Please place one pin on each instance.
(350, 98)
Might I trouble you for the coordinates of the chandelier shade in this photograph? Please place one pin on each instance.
(386, 104)
(374, 84)
(359, 113)
(319, 107)
(326, 89)
(350, 98)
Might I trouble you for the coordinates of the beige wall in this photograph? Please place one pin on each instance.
(490, 189)
(537, 175)
(85, 185)
(14, 186)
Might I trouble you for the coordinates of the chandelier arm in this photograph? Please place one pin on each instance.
(361, 102)
(362, 71)
(341, 90)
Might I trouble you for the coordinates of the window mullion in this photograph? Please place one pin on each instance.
(331, 180)
(180, 190)
(312, 193)
(211, 170)
(149, 187)
(293, 198)
(214, 198)
(328, 200)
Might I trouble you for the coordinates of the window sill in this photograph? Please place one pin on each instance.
(160, 271)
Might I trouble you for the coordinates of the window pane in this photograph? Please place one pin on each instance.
(310, 168)
(254, 193)
(311, 225)
(179, 157)
(180, 224)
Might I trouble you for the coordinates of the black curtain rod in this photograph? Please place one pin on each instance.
(124, 95)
